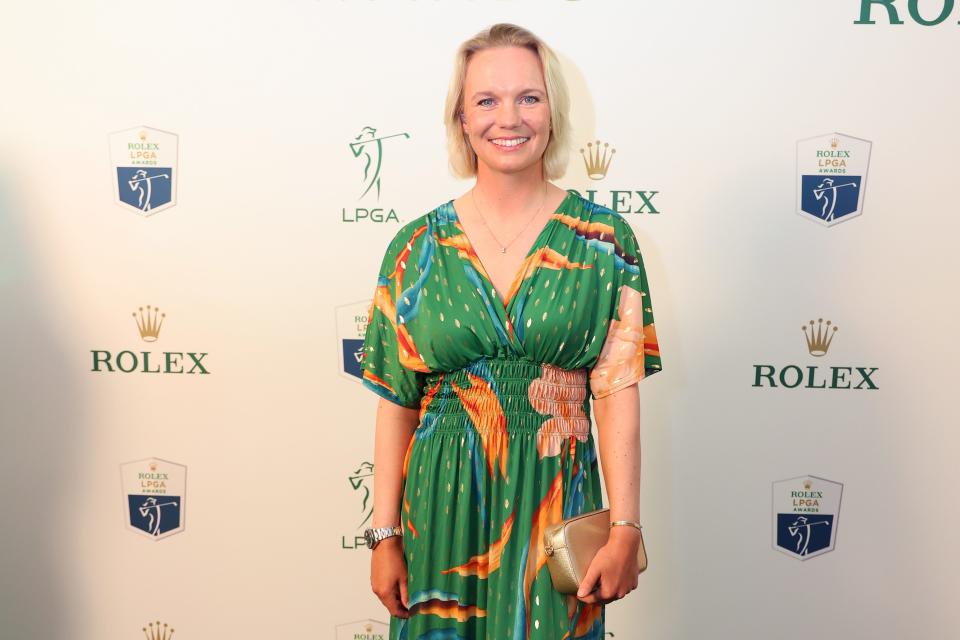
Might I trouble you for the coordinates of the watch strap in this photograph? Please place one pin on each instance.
(379, 534)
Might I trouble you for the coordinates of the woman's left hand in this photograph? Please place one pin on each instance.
(613, 572)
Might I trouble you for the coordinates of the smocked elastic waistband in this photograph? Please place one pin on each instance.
(507, 395)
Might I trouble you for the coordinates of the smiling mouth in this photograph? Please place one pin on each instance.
(509, 142)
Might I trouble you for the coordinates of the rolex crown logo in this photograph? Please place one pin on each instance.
(807, 484)
(834, 142)
(597, 161)
(143, 136)
(148, 323)
(158, 632)
(819, 337)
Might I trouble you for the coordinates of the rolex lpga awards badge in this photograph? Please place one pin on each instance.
(806, 510)
(144, 165)
(154, 491)
(832, 177)
(352, 322)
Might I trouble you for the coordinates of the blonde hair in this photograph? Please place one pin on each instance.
(463, 159)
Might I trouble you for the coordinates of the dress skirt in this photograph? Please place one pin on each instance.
(503, 449)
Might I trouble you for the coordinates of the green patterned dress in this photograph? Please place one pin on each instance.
(504, 445)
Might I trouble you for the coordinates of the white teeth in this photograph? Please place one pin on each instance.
(512, 142)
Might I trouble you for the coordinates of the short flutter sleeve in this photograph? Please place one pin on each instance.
(630, 350)
(391, 366)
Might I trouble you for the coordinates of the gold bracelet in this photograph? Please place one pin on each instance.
(632, 524)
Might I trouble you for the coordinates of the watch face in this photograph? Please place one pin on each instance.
(368, 534)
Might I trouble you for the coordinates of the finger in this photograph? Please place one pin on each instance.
(400, 599)
(589, 582)
(404, 597)
(391, 600)
(593, 597)
(395, 607)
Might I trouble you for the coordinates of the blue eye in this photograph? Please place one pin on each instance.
(533, 99)
(485, 102)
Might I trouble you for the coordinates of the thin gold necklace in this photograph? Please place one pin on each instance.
(503, 247)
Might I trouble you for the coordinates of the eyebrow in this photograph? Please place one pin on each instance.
(490, 93)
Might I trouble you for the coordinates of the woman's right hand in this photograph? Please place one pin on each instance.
(388, 575)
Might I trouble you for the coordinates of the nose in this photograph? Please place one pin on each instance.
(508, 115)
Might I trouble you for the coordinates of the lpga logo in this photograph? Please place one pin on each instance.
(832, 174)
(805, 512)
(367, 147)
(144, 167)
(361, 481)
(153, 491)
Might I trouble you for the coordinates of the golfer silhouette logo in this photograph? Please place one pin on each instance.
(360, 480)
(802, 529)
(826, 193)
(142, 183)
(152, 510)
(369, 148)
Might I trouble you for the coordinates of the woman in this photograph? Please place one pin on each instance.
(495, 316)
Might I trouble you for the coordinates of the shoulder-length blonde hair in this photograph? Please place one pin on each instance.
(463, 159)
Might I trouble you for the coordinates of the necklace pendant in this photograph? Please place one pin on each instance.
(503, 249)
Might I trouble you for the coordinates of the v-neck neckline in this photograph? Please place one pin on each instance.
(504, 304)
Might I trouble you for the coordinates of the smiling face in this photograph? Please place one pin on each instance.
(506, 113)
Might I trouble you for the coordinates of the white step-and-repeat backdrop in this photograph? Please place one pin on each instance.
(194, 200)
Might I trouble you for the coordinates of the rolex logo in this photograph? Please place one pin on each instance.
(819, 337)
(834, 142)
(158, 632)
(148, 324)
(597, 160)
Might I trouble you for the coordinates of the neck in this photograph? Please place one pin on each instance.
(504, 195)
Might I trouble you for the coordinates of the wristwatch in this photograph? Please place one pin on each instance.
(374, 536)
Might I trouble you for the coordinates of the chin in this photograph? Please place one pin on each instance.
(511, 165)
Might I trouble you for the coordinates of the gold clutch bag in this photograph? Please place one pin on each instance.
(570, 546)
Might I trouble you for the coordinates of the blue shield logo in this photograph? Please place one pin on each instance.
(154, 515)
(803, 535)
(352, 355)
(830, 197)
(145, 188)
